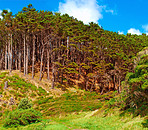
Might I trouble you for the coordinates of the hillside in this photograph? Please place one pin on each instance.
(58, 73)
(65, 110)
(75, 108)
(20, 88)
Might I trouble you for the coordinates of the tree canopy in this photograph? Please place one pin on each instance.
(68, 51)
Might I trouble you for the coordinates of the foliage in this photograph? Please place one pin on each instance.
(24, 115)
(74, 51)
(145, 122)
(24, 104)
(135, 96)
(41, 91)
(3, 74)
(67, 103)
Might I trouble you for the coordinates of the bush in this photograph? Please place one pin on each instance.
(22, 117)
(24, 104)
(135, 89)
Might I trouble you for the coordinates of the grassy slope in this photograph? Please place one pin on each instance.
(73, 109)
(82, 121)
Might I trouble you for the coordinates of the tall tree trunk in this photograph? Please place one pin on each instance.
(11, 53)
(1, 61)
(48, 77)
(53, 69)
(119, 88)
(93, 84)
(41, 65)
(27, 59)
(6, 58)
(33, 56)
(16, 58)
(67, 48)
(19, 57)
(62, 71)
(79, 61)
(24, 54)
(114, 82)
(53, 76)
(59, 59)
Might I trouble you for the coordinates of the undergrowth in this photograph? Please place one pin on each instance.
(67, 103)
(72, 107)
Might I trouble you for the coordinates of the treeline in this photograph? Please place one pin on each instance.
(67, 51)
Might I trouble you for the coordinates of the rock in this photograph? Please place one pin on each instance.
(12, 101)
(5, 102)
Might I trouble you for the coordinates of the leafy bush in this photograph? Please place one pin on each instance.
(22, 117)
(135, 96)
(24, 104)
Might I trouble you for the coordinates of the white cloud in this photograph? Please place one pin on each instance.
(120, 32)
(0, 14)
(134, 31)
(145, 27)
(109, 11)
(84, 10)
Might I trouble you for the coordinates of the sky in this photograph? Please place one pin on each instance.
(122, 16)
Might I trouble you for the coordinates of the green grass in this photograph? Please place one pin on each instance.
(71, 110)
(67, 103)
(80, 120)
(110, 122)
(3, 74)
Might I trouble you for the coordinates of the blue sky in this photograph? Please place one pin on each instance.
(114, 15)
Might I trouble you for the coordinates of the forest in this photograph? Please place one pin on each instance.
(69, 53)
(33, 41)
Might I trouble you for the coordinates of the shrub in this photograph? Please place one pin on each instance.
(135, 89)
(24, 104)
(22, 117)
